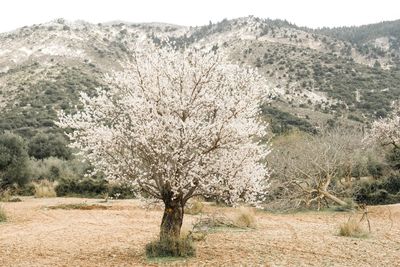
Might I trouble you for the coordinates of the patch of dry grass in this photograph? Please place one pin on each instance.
(194, 207)
(245, 218)
(352, 228)
(79, 206)
(45, 188)
(181, 247)
(5, 195)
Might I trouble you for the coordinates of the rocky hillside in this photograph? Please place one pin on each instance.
(321, 77)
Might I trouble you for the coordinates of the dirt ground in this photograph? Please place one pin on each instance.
(35, 235)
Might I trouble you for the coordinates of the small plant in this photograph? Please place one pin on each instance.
(5, 195)
(44, 188)
(245, 218)
(194, 234)
(3, 216)
(194, 207)
(182, 247)
(352, 228)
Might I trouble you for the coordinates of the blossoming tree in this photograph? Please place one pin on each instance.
(386, 131)
(177, 124)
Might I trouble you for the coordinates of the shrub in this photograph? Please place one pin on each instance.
(245, 218)
(87, 187)
(384, 191)
(182, 247)
(120, 190)
(194, 207)
(91, 187)
(43, 145)
(54, 168)
(27, 190)
(13, 161)
(352, 228)
(392, 184)
(5, 195)
(44, 189)
(393, 158)
(3, 216)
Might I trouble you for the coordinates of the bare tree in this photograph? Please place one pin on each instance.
(306, 166)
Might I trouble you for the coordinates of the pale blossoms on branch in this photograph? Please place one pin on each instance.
(177, 124)
(386, 131)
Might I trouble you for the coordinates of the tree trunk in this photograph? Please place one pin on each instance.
(172, 220)
(333, 198)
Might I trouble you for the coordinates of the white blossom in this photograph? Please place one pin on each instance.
(386, 131)
(179, 121)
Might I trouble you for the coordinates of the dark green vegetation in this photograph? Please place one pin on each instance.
(93, 188)
(283, 122)
(13, 161)
(381, 191)
(365, 33)
(40, 95)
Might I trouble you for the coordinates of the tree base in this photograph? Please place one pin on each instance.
(181, 247)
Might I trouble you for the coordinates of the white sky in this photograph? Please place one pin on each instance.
(312, 13)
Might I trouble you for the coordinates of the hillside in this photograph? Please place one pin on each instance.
(319, 76)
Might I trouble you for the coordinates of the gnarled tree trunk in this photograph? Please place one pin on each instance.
(172, 219)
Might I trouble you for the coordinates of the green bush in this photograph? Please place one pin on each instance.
(283, 122)
(13, 161)
(392, 184)
(384, 191)
(26, 190)
(43, 146)
(86, 187)
(90, 187)
(120, 191)
(393, 158)
(182, 247)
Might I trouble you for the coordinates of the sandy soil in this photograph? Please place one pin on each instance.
(37, 236)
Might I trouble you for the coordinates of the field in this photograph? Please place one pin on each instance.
(36, 235)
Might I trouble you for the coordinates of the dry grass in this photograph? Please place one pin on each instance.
(245, 218)
(194, 207)
(79, 206)
(352, 228)
(181, 247)
(45, 188)
(5, 195)
(34, 236)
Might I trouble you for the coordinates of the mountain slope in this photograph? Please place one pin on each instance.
(319, 76)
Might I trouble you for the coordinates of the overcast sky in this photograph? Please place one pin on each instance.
(312, 13)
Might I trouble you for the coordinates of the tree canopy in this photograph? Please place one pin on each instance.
(177, 124)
